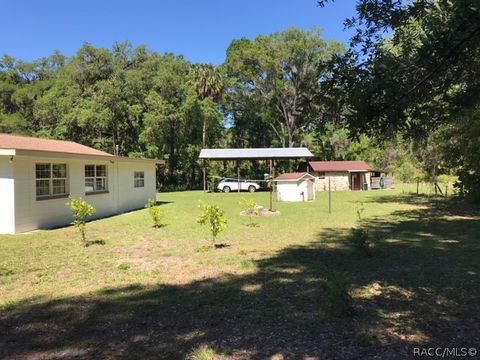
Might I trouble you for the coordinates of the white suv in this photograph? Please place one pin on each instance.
(230, 184)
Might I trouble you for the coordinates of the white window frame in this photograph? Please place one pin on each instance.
(137, 179)
(95, 178)
(50, 180)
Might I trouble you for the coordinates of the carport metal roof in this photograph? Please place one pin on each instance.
(251, 154)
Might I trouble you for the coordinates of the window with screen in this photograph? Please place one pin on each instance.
(50, 180)
(139, 179)
(96, 178)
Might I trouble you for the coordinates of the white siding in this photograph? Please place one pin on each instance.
(131, 197)
(293, 190)
(31, 213)
(7, 199)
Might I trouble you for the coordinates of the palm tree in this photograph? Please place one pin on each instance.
(208, 82)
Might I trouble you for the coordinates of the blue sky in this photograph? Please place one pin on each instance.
(201, 30)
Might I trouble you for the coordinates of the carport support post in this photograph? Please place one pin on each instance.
(204, 175)
(238, 175)
(270, 189)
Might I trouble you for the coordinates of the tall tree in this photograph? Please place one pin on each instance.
(208, 82)
(284, 70)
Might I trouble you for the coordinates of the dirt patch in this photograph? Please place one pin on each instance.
(260, 212)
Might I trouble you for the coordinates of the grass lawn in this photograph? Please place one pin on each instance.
(161, 293)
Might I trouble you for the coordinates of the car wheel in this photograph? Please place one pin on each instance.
(251, 188)
(226, 189)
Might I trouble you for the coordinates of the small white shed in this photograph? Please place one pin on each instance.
(298, 186)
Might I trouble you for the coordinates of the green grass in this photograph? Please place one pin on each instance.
(163, 292)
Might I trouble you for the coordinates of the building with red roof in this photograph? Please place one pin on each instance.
(38, 175)
(343, 175)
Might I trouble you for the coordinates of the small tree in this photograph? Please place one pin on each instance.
(360, 241)
(155, 212)
(80, 211)
(250, 208)
(359, 208)
(337, 294)
(214, 217)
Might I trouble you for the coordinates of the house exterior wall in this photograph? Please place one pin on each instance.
(7, 199)
(293, 190)
(131, 197)
(32, 213)
(367, 179)
(338, 181)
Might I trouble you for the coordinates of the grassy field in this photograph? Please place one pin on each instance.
(160, 293)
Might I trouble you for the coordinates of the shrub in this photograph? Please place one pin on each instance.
(212, 184)
(155, 212)
(214, 217)
(360, 241)
(250, 208)
(336, 291)
(80, 211)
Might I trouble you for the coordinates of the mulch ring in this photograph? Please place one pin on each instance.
(261, 212)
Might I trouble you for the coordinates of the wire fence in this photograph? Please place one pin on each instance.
(427, 188)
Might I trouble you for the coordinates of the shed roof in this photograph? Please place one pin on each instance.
(16, 142)
(348, 165)
(293, 176)
(259, 153)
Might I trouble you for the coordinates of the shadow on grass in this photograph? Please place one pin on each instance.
(420, 288)
(94, 242)
(221, 246)
(158, 202)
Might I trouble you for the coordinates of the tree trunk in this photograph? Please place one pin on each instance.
(171, 157)
(204, 133)
(290, 118)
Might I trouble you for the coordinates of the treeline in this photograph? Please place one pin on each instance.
(142, 102)
(286, 89)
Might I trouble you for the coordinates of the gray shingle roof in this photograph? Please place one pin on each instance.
(262, 153)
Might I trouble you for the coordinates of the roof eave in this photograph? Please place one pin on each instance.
(252, 158)
(32, 153)
(8, 152)
(128, 159)
(59, 154)
(340, 170)
(298, 178)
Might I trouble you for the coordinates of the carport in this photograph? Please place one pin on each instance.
(270, 155)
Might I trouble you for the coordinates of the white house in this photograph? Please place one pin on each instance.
(298, 186)
(38, 175)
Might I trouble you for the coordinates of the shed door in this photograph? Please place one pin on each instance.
(356, 181)
(310, 190)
